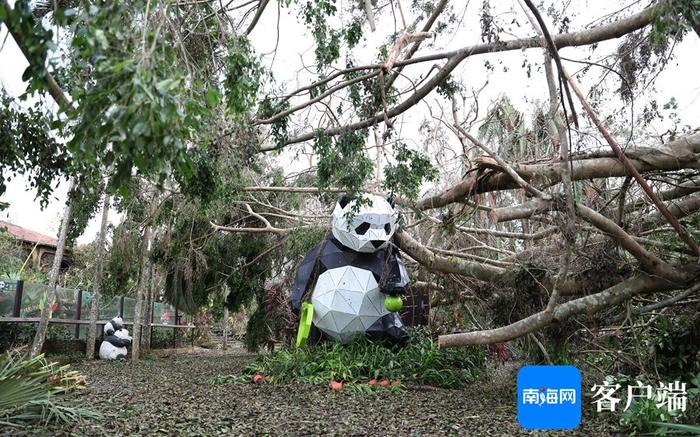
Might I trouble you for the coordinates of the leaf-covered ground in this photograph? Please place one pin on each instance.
(172, 396)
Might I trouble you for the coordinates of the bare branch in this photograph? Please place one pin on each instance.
(589, 304)
(675, 155)
(682, 232)
(454, 58)
(261, 8)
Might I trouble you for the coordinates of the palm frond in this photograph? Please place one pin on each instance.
(29, 389)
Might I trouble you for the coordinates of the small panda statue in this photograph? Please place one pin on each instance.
(116, 339)
(351, 274)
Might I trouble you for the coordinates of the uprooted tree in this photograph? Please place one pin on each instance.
(570, 209)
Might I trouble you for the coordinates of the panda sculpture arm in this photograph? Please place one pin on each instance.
(306, 274)
(118, 341)
(396, 279)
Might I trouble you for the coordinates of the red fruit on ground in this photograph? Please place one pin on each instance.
(257, 377)
(384, 383)
(372, 382)
(337, 386)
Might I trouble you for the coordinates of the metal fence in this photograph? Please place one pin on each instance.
(21, 302)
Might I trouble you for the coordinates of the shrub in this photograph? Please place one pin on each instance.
(15, 334)
(420, 362)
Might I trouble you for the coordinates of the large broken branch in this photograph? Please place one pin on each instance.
(521, 211)
(678, 209)
(449, 264)
(682, 232)
(681, 190)
(675, 155)
(649, 261)
(454, 58)
(589, 304)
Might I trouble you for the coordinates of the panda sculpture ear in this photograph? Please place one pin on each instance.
(344, 200)
(391, 200)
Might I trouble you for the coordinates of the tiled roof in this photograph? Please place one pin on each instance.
(28, 235)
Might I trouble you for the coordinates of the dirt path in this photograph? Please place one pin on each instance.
(171, 396)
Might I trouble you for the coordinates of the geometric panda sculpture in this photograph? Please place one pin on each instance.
(348, 276)
(116, 339)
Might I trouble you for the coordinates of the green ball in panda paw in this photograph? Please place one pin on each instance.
(393, 303)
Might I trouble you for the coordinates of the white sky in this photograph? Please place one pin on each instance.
(679, 80)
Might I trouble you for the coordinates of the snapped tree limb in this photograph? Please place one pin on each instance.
(675, 155)
(621, 292)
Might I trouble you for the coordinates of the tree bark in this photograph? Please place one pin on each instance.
(141, 290)
(149, 310)
(675, 155)
(589, 304)
(448, 264)
(97, 288)
(40, 335)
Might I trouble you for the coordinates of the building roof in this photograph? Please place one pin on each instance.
(28, 235)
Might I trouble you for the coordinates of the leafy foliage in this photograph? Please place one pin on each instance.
(278, 129)
(408, 174)
(328, 40)
(342, 162)
(35, 39)
(673, 18)
(242, 77)
(28, 148)
(29, 389)
(420, 362)
(11, 256)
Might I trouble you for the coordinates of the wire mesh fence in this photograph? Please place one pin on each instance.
(25, 300)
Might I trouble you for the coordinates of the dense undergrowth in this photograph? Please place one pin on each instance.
(420, 362)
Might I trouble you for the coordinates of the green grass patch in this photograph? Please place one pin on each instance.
(420, 362)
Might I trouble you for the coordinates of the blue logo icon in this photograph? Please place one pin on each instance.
(549, 397)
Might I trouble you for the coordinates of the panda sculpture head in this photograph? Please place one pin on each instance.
(116, 339)
(372, 224)
(113, 325)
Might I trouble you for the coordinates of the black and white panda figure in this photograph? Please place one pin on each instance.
(353, 274)
(116, 339)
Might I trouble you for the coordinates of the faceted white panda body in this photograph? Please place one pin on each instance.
(347, 301)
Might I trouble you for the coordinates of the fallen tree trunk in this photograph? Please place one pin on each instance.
(589, 304)
(675, 155)
(447, 264)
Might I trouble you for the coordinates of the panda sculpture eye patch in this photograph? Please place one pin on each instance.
(362, 229)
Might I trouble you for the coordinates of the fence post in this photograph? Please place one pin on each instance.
(78, 311)
(150, 331)
(19, 288)
(121, 306)
(175, 323)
